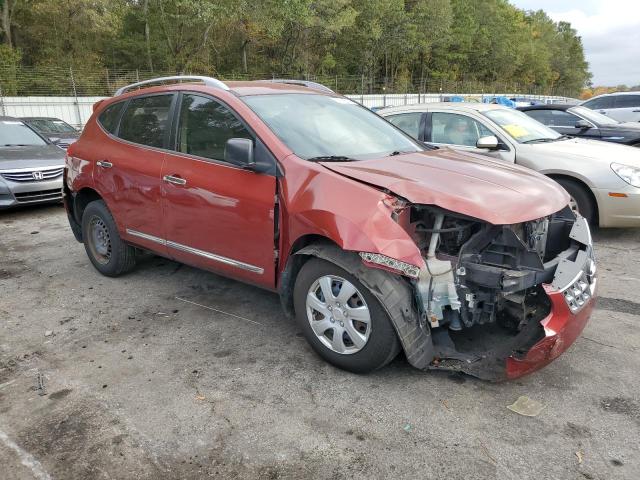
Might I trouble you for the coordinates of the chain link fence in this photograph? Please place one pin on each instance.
(22, 81)
(69, 94)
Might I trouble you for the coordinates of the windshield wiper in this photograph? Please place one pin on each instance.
(540, 140)
(547, 140)
(331, 158)
(14, 145)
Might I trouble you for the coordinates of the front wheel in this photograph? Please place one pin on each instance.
(581, 201)
(106, 250)
(342, 321)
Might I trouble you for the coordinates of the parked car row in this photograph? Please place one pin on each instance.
(603, 179)
(376, 242)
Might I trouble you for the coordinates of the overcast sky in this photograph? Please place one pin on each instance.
(610, 31)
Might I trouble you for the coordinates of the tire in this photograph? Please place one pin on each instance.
(381, 343)
(106, 250)
(582, 198)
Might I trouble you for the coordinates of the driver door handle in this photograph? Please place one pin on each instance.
(104, 164)
(175, 180)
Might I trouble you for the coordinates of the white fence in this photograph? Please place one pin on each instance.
(77, 111)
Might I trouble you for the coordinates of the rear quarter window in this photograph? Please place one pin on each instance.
(109, 118)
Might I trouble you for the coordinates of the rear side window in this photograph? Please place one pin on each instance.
(146, 120)
(600, 103)
(407, 122)
(553, 118)
(109, 118)
(205, 126)
(627, 101)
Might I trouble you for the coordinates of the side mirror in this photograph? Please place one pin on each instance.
(489, 142)
(583, 125)
(239, 151)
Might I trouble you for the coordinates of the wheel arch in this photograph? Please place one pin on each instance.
(395, 295)
(297, 256)
(583, 185)
(77, 204)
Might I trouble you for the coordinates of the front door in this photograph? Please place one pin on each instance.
(217, 216)
(462, 132)
(127, 172)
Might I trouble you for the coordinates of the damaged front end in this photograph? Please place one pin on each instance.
(500, 300)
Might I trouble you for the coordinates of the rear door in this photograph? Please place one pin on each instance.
(604, 105)
(461, 131)
(627, 108)
(217, 215)
(411, 123)
(129, 164)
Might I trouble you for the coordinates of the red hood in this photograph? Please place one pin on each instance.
(473, 185)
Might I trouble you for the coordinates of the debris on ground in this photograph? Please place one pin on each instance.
(40, 385)
(579, 455)
(48, 333)
(526, 406)
(407, 427)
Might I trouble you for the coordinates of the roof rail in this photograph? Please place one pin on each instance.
(208, 81)
(305, 83)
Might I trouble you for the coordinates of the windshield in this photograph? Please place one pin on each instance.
(16, 134)
(595, 117)
(51, 125)
(319, 127)
(520, 127)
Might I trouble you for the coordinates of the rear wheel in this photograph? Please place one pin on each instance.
(343, 322)
(106, 250)
(581, 201)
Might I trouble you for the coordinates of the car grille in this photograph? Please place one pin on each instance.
(32, 175)
(39, 196)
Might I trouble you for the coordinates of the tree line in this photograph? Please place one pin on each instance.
(399, 44)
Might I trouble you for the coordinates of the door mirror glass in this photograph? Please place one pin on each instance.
(239, 151)
(489, 142)
(583, 125)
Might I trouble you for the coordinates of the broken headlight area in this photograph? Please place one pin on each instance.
(481, 293)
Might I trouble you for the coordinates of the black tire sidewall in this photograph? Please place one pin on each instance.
(114, 266)
(582, 198)
(382, 345)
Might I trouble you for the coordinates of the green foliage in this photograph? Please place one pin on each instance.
(401, 44)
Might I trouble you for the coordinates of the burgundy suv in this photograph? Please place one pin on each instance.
(375, 242)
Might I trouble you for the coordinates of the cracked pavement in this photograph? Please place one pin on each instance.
(175, 373)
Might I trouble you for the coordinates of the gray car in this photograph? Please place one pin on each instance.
(31, 167)
(602, 178)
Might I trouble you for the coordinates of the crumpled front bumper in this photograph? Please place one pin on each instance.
(561, 328)
(572, 295)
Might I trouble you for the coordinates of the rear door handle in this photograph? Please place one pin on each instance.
(175, 180)
(104, 164)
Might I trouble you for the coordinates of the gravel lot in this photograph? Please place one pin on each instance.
(175, 373)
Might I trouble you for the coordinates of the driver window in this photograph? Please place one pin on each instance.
(205, 126)
(456, 129)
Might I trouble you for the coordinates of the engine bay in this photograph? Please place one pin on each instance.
(481, 293)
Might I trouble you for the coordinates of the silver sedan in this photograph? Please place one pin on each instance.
(603, 179)
(31, 167)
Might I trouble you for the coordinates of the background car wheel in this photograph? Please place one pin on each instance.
(106, 250)
(344, 323)
(580, 199)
